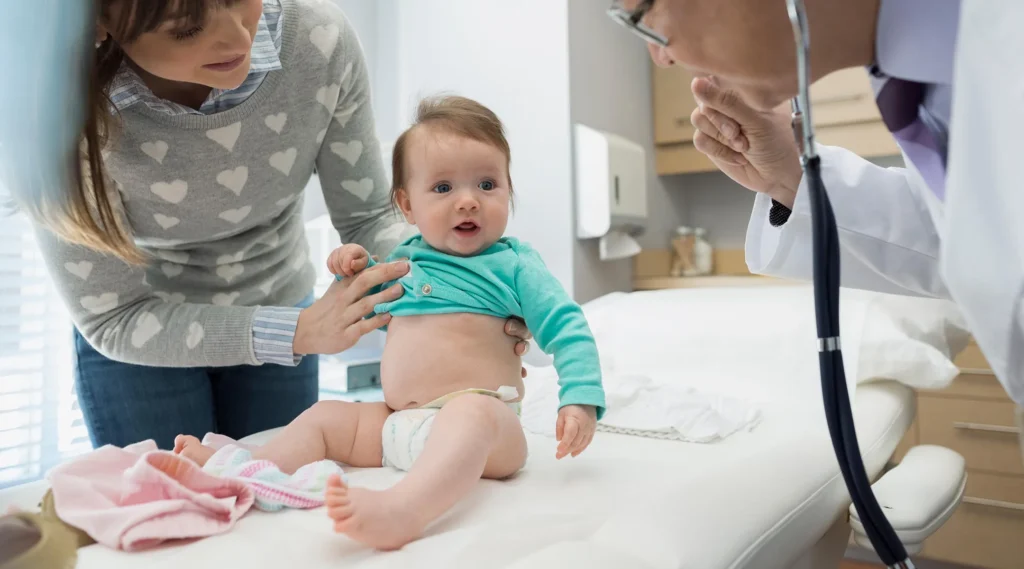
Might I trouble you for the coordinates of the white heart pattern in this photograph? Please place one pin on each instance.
(226, 136)
(325, 38)
(283, 161)
(172, 192)
(155, 150)
(345, 115)
(346, 77)
(328, 96)
(299, 262)
(180, 257)
(228, 259)
(195, 335)
(270, 240)
(235, 215)
(81, 269)
(390, 233)
(230, 272)
(361, 189)
(276, 122)
(175, 297)
(267, 287)
(283, 202)
(234, 180)
(146, 326)
(166, 221)
(349, 152)
(225, 299)
(100, 304)
(171, 270)
(157, 242)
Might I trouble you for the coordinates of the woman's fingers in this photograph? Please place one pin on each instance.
(716, 150)
(360, 308)
(367, 325)
(376, 276)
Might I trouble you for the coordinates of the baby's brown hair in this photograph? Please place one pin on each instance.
(457, 115)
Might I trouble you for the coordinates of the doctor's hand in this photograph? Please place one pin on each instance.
(754, 148)
(575, 429)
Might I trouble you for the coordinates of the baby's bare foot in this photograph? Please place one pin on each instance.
(190, 448)
(382, 520)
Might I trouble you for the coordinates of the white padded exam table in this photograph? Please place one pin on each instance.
(769, 498)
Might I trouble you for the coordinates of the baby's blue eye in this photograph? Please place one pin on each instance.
(486, 185)
(443, 188)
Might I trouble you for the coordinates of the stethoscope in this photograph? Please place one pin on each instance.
(838, 412)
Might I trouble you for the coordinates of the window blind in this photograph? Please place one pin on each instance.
(40, 422)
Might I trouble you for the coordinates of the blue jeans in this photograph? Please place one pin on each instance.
(127, 403)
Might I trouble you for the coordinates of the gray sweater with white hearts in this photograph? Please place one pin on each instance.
(217, 201)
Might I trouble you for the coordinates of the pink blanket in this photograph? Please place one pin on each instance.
(139, 496)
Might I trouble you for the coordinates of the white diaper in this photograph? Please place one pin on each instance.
(405, 432)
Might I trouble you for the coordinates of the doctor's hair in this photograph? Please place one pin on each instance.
(89, 212)
(456, 115)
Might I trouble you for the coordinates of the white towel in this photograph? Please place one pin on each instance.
(638, 405)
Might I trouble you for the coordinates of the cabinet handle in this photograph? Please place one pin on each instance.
(994, 503)
(986, 428)
(683, 121)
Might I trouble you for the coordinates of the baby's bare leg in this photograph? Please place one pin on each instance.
(473, 436)
(335, 430)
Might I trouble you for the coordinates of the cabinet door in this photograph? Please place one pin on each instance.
(673, 103)
(843, 97)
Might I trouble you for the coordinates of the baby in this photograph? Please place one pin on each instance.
(451, 382)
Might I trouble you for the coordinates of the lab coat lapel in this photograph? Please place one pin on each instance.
(983, 247)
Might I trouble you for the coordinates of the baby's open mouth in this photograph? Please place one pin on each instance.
(467, 228)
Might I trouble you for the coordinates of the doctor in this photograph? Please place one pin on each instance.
(949, 84)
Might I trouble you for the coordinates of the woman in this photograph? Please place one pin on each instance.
(180, 251)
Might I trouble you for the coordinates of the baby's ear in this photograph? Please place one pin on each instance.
(405, 205)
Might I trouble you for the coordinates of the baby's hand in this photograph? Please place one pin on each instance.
(348, 260)
(575, 429)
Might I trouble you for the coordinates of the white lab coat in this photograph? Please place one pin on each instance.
(897, 237)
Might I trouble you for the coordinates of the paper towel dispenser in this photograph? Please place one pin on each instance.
(611, 182)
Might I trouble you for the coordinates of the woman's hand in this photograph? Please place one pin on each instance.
(754, 148)
(517, 329)
(334, 323)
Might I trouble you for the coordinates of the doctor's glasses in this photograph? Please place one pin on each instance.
(633, 21)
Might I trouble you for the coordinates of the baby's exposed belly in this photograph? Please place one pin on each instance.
(429, 356)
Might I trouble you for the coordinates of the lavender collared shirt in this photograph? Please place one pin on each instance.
(915, 40)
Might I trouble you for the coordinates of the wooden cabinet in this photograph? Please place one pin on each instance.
(974, 417)
(844, 114)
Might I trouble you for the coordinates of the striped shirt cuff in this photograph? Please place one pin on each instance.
(273, 334)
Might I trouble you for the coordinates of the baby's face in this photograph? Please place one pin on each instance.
(456, 192)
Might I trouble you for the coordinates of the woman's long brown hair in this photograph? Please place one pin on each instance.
(89, 211)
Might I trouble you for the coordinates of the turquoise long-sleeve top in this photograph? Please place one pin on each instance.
(507, 279)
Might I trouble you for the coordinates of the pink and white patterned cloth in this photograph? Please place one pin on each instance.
(273, 489)
(138, 497)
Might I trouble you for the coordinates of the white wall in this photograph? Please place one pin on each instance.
(610, 90)
(512, 57)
